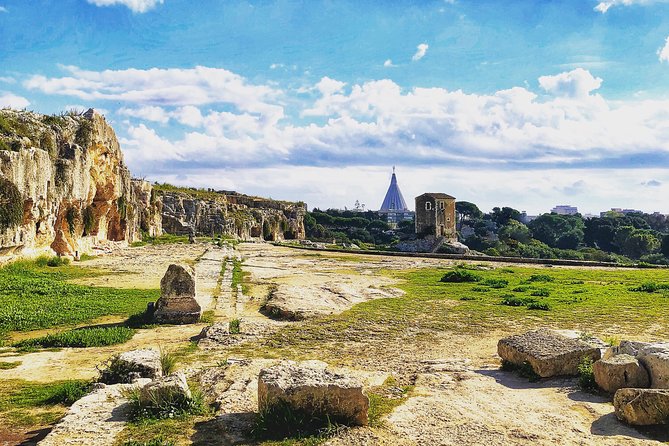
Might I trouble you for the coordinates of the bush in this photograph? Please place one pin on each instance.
(460, 276)
(234, 326)
(650, 287)
(11, 205)
(80, 338)
(513, 301)
(480, 289)
(520, 289)
(283, 421)
(496, 283)
(162, 404)
(54, 262)
(68, 392)
(538, 306)
(540, 278)
(540, 293)
(586, 377)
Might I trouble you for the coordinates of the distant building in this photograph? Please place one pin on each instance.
(435, 215)
(394, 208)
(565, 209)
(525, 219)
(619, 211)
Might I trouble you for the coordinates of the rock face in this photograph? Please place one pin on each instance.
(642, 407)
(548, 352)
(311, 393)
(232, 214)
(170, 388)
(620, 372)
(134, 364)
(77, 192)
(655, 357)
(177, 304)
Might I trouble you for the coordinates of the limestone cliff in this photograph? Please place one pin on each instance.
(77, 192)
(224, 212)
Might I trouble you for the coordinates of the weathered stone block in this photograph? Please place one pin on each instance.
(172, 388)
(548, 352)
(177, 304)
(314, 393)
(642, 407)
(655, 358)
(131, 365)
(620, 372)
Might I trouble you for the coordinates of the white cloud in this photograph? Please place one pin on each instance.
(3, 9)
(421, 50)
(388, 63)
(605, 5)
(577, 83)
(7, 80)
(138, 6)
(663, 53)
(163, 87)
(147, 113)
(12, 101)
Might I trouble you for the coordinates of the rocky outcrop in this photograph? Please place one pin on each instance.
(310, 394)
(128, 366)
(547, 351)
(76, 192)
(229, 213)
(619, 372)
(642, 407)
(177, 304)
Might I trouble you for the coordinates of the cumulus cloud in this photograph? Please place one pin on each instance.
(163, 87)
(577, 83)
(7, 80)
(605, 5)
(421, 50)
(148, 113)
(138, 6)
(663, 53)
(388, 63)
(3, 9)
(12, 101)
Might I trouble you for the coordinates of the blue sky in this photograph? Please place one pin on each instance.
(520, 103)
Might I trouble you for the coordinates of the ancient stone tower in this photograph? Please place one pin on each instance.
(435, 215)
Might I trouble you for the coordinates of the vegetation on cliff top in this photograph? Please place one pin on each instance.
(11, 205)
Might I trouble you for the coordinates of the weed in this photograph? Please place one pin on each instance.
(208, 317)
(538, 306)
(52, 261)
(281, 420)
(465, 298)
(541, 293)
(168, 362)
(480, 289)
(612, 341)
(586, 377)
(650, 287)
(80, 338)
(163, 404)
(520, 289)
(86, 257)
(513, 301)
(540, 278)
(459, 276)
(496, 283)
(237, 274)
(234, 326)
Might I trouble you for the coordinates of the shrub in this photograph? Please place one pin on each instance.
(282, 421)
(80, 338)
(492, 252)
(208, 317)
(68, 392)
(520, 289)
(53, 262)
(650, 287)
(84, 135)
(11, 205)
(459, 276)
(481, 289)
(465, 298)
(538, 306)
(496, 283)
(88, 218)
(234, 326)
(541, 293)
(513, 301)
(586, 377)
(540, 278)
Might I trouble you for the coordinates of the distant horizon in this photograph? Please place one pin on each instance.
(525, 104)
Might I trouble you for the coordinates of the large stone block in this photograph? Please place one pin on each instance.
(655, 358)
(642, 407)
(128, 366)
(548, 352)
(173, 388)
(311, 394)
(619, 372)
(177, 304)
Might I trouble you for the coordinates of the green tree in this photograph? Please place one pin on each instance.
(466, 211)
(515, 230)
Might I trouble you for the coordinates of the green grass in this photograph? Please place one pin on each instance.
(237, 274)
(25, 404)
(83, 337)
(4, 365)
(234, 326)
(383, 400)
(208, 317)
(165, 239)
(36, 297)
(592, 299)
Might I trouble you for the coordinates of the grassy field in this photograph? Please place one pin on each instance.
(597, 301)
(36, 297)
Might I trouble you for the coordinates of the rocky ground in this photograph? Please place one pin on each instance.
(459, 395)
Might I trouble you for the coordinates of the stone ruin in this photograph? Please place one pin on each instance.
(177, 304)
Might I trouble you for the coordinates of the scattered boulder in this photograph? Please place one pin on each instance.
(454, 248)
(129, 366)
(177, 304)
(642, 407)
(631, 348)
(548, 352)
(310, 394)
(619, 372)
(655, 357)
(169, 388)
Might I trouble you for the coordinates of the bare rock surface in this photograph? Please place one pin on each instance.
(95, 419)
(142, 363)
(313, 391)
(547, 351)
(297, 302)
(177, 303)
(619, 372)
(655, 358)
(642, 407)
(631, 348)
